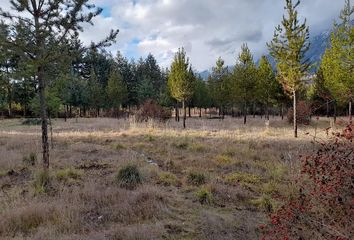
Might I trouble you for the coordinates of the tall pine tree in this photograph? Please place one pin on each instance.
(181, 80)
(288, 47)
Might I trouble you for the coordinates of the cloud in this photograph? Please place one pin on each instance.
(206, 28)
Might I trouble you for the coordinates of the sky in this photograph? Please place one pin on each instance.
(207, 29)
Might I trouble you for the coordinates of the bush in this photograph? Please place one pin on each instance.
(324, 203)
(129, 177)
(168, 179)
(67, 174)
(243, 178)
(204, 196)
(30, 160)
(42, 181)
(196, 178)
(303, 111)
(151, 110)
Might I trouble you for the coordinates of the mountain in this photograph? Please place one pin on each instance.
(319, 43)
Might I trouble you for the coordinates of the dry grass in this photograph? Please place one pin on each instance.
(214, 180)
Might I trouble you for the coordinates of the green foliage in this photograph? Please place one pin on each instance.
(288, 47)
(181, 80)
(116, 89)
(68, 174)
(168, 179)
(268, 86)
(264, 203)
(129, 177)
(244, 79)
(204, 196)
(201, 97)
(241, 177)
(53, 103)
(337, 62)
(219, 85)
(42, 181)
(196, 178)
(95, 91)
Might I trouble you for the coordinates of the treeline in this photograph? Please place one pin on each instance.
(92, 82)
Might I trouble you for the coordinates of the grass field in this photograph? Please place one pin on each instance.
(214, 180)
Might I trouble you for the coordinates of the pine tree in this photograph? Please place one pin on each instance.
(116, 89)
(181, 80)
(96, 92)
(288, 47)
(245, 80)
(218, 83)
(201, 98)
(338, 61)
(47, 27)
(267, 84)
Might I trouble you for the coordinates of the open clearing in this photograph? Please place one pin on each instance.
(214, 180)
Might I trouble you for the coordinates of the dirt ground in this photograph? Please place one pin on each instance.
(218, 179)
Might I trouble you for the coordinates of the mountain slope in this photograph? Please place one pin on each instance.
(318, 46)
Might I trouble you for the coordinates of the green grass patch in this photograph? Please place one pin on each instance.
(168, 179)
(68, 174)
(42, 181)
(204, 196)
(196, 178)
(129, 177)
(241, 177)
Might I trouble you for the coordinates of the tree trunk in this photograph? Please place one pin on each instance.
(51, 132)
(282, 111)
(335, 112)
(43, 110)
(254, 110)
(327, 108)
(350, 112)
(267, 112)
(295, 114)
(189, 112)
(184, 114)
(200, 112)
(245, 114)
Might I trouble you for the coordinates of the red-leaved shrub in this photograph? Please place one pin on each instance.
(303, 111)
(151, 110)
(323, 209)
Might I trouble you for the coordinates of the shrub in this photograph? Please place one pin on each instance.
(243, 178)
(196, 178)
(129, 177)
(42, 181)
(223, 159)
(204, 196)
(324, 203)
(168, 179)
(264, 203)
(303, 111)
(151, 110)
(68, 174)
(30, 160)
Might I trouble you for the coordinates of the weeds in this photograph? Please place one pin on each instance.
(242, 178)
(196, 178)
(68, 174)
(204, 196)
(42, 182)
(129, 177)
